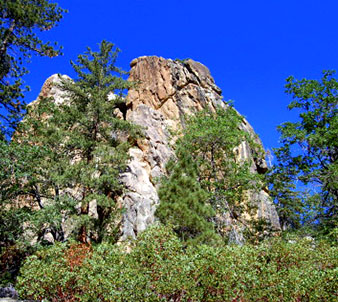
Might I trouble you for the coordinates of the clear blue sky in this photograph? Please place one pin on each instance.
(250, 46)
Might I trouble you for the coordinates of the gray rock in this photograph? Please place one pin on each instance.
(8, 292)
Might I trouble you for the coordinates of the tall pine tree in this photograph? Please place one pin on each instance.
(208, 181)
(184, 204)
(83, 147)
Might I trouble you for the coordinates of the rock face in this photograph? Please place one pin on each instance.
(167, 90)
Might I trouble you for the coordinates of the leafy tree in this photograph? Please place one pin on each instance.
(20, 20)
(213, 140)
(282, 180)
(309, 150)
(82, 148)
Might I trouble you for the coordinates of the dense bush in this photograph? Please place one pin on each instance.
(11, 258)
(159, 268)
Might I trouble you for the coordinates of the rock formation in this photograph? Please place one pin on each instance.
(166, 91)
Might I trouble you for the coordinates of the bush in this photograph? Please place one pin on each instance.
(274, 271)
(11, 258)
(159, 268)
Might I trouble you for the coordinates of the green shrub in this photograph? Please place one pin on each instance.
(11, 258)
(160, 268)
(274, 271)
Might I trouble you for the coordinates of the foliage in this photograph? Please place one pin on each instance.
(17, 161)
(309, 150)
(11, 259)
(72, 153)
(182, 61)
(184, 203)
(158, 268)
(213, 140)
(106, 273)
(282, 180)
(209, 146)
(19, 23)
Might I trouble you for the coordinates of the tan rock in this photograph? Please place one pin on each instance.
(167, 90)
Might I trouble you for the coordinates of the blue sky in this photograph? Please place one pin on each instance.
(250, 47)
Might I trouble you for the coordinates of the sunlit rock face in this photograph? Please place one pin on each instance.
(166, 91)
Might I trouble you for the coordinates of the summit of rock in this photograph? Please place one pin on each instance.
(166, 91)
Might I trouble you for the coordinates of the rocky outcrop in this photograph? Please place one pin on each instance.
(8, 293)
(166, 91)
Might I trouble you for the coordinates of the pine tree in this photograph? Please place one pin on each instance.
(282, 180)
(212, 139)
(19, 23)
(220, 179)
(183, 203)
(83, 149)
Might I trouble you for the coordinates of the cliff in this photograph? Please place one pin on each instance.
(166, 91)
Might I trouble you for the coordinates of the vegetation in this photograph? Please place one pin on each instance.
(308, 156)
(60, 181)
(159, 269)
(184, 204)
(74, 154)
(19, 22)
(208, 159)
(183, 61)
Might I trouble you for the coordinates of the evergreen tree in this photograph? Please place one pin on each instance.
(210, 141)
(183, 203)
(82, 147)
(213, 140)
(19, 22)
(309, 150)
(16, 162)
